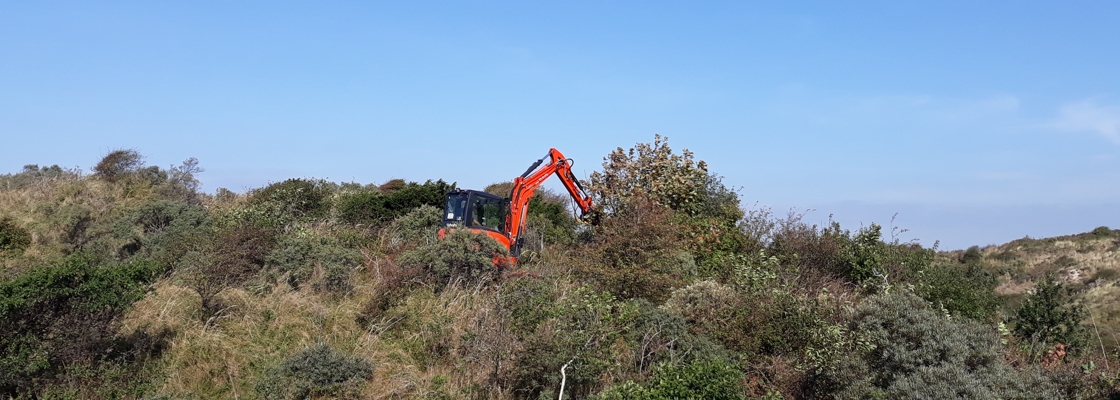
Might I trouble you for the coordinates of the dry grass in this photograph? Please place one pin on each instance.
(429, 339)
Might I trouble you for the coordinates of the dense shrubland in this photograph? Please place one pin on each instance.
(131, 283)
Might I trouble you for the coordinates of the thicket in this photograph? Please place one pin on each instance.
(131, 283)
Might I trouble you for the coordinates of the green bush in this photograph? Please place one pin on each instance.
(461, 257)
(967, 291)
(34, 174)
(64, 314)
(1050, 315)
(585, 323)
(300, 256)
(972, 255)
(375, 208)
(700, 379)
(293, 200)
(13, 239)
(1103, 232)
(916, 352)
(418, 227)
(118, 164)
(318, 370)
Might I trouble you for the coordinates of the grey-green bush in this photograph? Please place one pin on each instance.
(461, 257)
(316, 370)
(920, 353)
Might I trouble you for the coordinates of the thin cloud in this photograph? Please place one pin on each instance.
(1087, 116)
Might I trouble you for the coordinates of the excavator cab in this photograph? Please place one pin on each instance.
(475, 209)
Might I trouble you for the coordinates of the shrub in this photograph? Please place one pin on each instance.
(418, 227)
(222, 258)
(915, 352)
(13, 239)
(461, 257)
(967, 291)
(1103, 232)
(658, 336)
(34, 174)
(318, 370)
(118, 163)
(700, 379)
(1050, 315)
(64, 314)
(374, 208)
(653, 171)
(586, 323)
(972, 255)
(639, 253)
(300, 256)
(765, 322)
(291, 201)
(866, 255)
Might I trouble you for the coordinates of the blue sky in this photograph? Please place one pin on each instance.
(975, 123)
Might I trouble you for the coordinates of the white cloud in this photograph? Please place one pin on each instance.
(1087, 116)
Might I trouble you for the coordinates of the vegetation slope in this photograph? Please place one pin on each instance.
(128, 282)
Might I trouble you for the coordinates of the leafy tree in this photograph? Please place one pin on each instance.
(293, 200)
(706, 211)
(118, 164)
(967, 291)
(674, 181)
(1050, 315)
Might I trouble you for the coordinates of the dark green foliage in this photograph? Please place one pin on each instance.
(866, 255)
(1051, 315)
(13, 239)
(373, 208)
(64, 314)
(461, 257)
(318, 370)
(154, 228)
(972, 255)
(962, 290)
(529, 303)
(917, 353)
(118, 164)
(700, 379)
(1103, 232)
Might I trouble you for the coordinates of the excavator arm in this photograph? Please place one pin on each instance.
(526, 185)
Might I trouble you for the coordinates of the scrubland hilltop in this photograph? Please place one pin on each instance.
(127, 282)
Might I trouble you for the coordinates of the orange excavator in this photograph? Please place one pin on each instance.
(504, 219)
